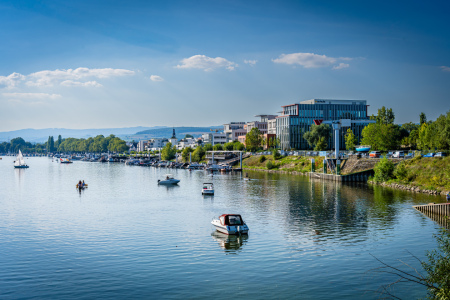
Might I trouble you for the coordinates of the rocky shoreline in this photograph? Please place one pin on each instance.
(398, 186)
(409, 188)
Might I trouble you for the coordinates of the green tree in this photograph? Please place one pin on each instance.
(185, 154)
(382, 137)
(385, 116)
(423, 118)
(50, 144)
(58, 141)
(318, 133)
(228, 146)
(321, 144)
(350, 140)
(253, 139)
(198, 154)
(208, 147)
(384, 170)
(218, 147)
(238, 146)
(188, 136)
(168, 152)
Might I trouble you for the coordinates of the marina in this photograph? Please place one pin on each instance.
(126, 236)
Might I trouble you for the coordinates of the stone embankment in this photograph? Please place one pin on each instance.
(409, 188)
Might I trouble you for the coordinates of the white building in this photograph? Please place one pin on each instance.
(272, 126)
(187, 142)
(156, 143)
(261, 125)
(214, 138)
(234, 130)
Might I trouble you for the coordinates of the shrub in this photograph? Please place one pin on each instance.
(384, 170)
(262, 159)
(401, 172)
(276, 155)
(269, 165)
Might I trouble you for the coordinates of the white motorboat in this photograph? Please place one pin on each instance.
(230, 224)
(168, 179)
(19, 163)
(208, 189)
(65, 161)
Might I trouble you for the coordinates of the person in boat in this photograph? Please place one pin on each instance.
(167, 177)
(79, 185)
(83, 184)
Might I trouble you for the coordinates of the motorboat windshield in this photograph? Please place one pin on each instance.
(231, 220)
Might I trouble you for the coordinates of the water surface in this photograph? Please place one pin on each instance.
(127, 237)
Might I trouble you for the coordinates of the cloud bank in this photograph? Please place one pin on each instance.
(445, 68)
(206, 63)
(69, 77)
(311, 60)
(250, 62)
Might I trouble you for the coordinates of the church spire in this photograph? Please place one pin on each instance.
(173, 134)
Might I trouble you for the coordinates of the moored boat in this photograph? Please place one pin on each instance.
(362, 148)
(230, 224)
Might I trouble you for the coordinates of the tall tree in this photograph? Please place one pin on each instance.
(168, 152)
(350, 140)
(185, 154)
(198, 154)
(58, 141)
(423, 118)
(316, 133)
(253, 139)
(385, 116)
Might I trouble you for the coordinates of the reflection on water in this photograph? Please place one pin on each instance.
(128, 237)
(230, 243)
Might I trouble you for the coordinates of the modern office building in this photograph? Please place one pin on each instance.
(234, 130)
(296, 119)
(214, 138)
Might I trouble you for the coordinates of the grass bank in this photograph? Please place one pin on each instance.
(421, 174)
(287, 163)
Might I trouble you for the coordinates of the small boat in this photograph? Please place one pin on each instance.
(65, 161)
(168, 179)
(19, 163)
(208, 189)
(82, 186)
(363, 148)
(230, 224)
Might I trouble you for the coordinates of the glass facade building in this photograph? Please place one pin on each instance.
(296, 119)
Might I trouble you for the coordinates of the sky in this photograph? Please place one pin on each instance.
(108, 64)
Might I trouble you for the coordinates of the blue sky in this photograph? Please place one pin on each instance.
(99, 64)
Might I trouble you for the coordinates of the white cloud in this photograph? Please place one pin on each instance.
(206, 63)
(11, 80)
(79, 83)
(311, 60)
(445, 68)
(30, 98)
(341, 66)
(156, 78)
(250, 62)
(49, 78)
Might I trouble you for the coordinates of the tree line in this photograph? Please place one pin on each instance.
(98, 144)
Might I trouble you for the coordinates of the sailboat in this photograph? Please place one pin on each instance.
(19, 163)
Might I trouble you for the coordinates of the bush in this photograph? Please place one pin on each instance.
(384, 170)
(269, 165)
(401, 172)
(276, 155)
(262, 159)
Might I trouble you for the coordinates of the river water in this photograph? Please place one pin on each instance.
(127, 237)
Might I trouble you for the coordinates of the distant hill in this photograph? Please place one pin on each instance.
(41, 135)
(166, 132)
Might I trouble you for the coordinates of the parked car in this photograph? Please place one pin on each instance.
(440, 154)
(398, 154)
(390, 154)
(409, 155)
(375, 154)
(429, 155)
